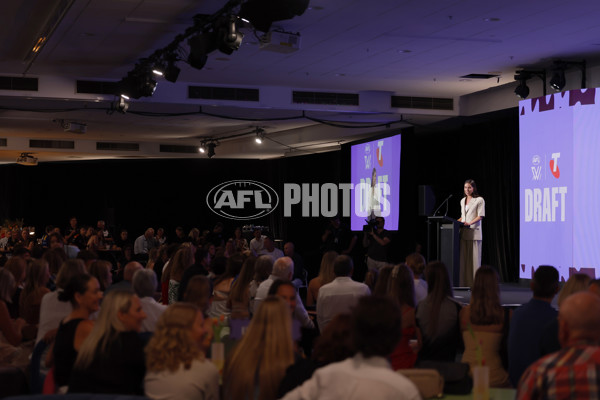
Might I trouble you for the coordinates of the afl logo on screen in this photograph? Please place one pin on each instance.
(242, 199)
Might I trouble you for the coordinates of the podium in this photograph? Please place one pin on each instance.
(446, 244)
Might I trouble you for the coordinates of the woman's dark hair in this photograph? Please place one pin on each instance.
(438, 289)
(233, 266)
(473, 185)
(335, 343)
(376, 326)
(77, 284)
(277, 284)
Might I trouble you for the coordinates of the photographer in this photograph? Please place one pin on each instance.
(376, 240)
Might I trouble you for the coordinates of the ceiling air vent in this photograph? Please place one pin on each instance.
(339, 99)
(3, 142)
(52, 144)
(96, 87)
(222, 93)
(174, 148)
(112, 146)
(422, 103)
(16, 83)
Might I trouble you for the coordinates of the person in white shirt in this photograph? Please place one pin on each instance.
(376, 329)
(144, 285)
(340, 295)
(270, 249)
(257, 244)
(283, 269)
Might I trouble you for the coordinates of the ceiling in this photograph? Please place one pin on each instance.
(372, 48)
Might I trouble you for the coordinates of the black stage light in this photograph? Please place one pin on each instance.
(200, 46)
(211, 150)
(262, 13)
(138, 83)
(522, 90)
(229, 38)
(172, 72)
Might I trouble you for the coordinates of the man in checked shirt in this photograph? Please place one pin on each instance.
(572, 372)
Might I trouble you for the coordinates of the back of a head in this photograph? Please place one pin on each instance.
(581, 313)
(101, 269)
(376, 326)
(198, 292)
(283, 268)
(16, 266)
(68, 269)
(575, 283)
(438, 281)
(144, 283)
(401, 286)
(55, 258)
(263, 268)
(416, 262)
(326, 270)
(7, 285)
(130, 269)
(77, 284)
(335, 343)
(545, 282)
(343, 266)
(383, 280)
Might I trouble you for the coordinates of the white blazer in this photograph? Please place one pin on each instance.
(475, 208)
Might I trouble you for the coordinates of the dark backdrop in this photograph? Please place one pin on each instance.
(135, 194)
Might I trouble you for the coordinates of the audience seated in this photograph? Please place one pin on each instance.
(528, 322)
(111, 359)
(299, 278)
(257, 243)
(262, 270)
(326, 275)
(283, 268)
(198, 293)
(182, 260)
(13, 352)
(549, 340)
(340, 295)
(84, 294)
(257, 365)
(239, 296)
(17, 266)
(36, 279)
(52, 310)
(222, 287)
(144, 286)
(482, 326)
(240, 244)
(102, 270)
(437, 316)
(130, 269)
(572, 372)
(416, 262)
(176, 368)
(376, 329)
(400, 288)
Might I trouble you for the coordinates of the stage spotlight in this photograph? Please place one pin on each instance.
(123, 105)
(200, 46)
(138, 83)
(211, 150)
(522, 90)
(229, 38)
(260, 135)
(172, 72)
(262, 13)
(559, 81)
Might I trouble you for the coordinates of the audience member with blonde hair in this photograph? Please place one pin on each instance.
(111, 359)
(326, 275)
(17, 266)
(549, 341)
(175, 365)
(257, 365)
(183, 259)
(482, 326)
(262, 269)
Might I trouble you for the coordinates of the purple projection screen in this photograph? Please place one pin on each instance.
(559, 138)
(380, 158)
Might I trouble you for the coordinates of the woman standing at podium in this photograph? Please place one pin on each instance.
(472, 211)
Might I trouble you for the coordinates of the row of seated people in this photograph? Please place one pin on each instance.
(431, 328)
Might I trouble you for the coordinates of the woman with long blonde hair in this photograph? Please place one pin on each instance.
(175, 363)
(36, 278)
(182, 260)
(111, 359)
(325, 276)
(257, 365)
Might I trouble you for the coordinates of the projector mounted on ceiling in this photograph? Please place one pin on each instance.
(280, 42)
(27, 159)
